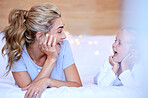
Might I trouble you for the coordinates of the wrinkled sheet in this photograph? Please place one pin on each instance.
(8, 90)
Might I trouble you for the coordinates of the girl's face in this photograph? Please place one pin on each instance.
(57, 31)
(121, 46)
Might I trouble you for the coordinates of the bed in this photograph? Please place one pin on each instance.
(89, 52)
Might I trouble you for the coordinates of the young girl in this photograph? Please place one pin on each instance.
(119, 69)
(38, 54)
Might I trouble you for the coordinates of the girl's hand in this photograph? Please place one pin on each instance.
(35, 90)
(48, 46)
(114, 64)
(128, 62)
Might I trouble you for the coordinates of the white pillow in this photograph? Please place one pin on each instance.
(3, 62)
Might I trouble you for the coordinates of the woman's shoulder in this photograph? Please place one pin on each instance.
(65, 42)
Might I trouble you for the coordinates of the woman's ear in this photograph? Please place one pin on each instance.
(39, 36)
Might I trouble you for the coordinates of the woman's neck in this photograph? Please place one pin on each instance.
(36, 54)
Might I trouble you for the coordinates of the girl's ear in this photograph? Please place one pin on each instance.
(134, 51)
(39, 36)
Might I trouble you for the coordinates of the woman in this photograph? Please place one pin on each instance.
(38, 54)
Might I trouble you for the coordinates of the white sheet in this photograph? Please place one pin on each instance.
(88, 91)
(90, 53)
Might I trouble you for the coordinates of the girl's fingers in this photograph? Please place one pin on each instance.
(128, 57)
(50, 40)
(111, 59)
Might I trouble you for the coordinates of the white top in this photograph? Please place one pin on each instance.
(106, 77)
(65, 59)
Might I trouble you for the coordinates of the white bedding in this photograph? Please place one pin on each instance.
(90, 53)
(88, 91)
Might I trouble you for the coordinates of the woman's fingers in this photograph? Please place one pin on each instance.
(48, 46)
(36, 89)
(32, 92)
(54, 42)
(46, 41)
(36, 92)
(39, 94)
(50, 40)
(27, 93)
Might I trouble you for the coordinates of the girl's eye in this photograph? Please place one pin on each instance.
(119, 43)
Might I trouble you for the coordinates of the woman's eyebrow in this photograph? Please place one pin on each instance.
(62, 26)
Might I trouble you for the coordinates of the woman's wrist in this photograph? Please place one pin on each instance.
(49, 59)
(47, 81)
(50, 62)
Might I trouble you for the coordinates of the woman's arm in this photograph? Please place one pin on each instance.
(72, 78)
(23, 79)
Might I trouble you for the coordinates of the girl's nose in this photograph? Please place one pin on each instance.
(114, 44)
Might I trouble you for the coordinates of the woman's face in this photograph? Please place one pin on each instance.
(57, 31)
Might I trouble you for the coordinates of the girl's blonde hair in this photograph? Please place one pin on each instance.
(131, 33)
(23, 26)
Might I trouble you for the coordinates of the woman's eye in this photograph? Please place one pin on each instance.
(60, 32)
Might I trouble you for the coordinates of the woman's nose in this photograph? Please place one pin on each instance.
(63, 35)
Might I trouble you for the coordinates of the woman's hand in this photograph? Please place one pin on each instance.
(114, 64)
(48, 46)
(35, 90)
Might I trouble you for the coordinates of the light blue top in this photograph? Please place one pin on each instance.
(64, 60)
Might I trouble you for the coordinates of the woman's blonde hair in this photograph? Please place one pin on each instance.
(23, 26)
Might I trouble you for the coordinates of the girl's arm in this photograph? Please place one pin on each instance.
(115, 65)
(126, 76)
(106, 76)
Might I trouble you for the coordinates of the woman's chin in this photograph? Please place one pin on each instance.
(58, 50)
